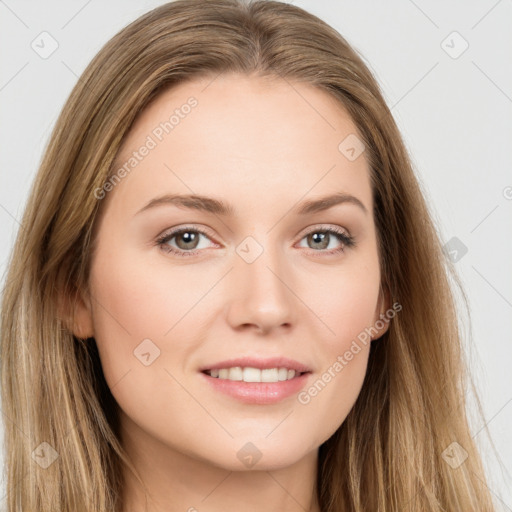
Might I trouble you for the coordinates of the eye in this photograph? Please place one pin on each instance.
(321, 239)
(187, 241)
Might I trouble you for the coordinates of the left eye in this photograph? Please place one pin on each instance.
(322, 239)
(188, 239)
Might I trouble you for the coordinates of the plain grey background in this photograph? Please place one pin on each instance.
(445, 70)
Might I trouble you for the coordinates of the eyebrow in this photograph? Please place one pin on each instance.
(218, 207)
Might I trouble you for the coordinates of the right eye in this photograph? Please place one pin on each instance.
(187, 241)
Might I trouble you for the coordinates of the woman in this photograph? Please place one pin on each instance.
(228, 286)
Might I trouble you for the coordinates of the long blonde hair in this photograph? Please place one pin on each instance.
(388, 453)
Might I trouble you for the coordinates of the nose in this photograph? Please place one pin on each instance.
(261, 297)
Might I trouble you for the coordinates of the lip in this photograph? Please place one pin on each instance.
(254, 362)
(259, 393)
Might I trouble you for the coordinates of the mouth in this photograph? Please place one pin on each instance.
(257, 381)
(251, 374)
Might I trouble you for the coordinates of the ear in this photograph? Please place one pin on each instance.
(76, 313)
(380, 319)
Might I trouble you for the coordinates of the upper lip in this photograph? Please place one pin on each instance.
(254, 362)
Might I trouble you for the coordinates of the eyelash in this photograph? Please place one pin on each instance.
(348, 241)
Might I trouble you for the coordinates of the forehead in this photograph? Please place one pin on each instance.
(269, 109)
(242, 135)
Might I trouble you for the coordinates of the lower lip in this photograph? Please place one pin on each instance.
(261, 393)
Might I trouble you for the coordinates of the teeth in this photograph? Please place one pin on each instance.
(270, 375)
(235, 373)
(282, 374)
(249, 374)
(252, 375)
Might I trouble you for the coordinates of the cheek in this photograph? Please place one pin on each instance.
(142, 317)
(346, 305)
(136, 298)
(141, 299)
(329, 397)
(135, 308)
(345, 299)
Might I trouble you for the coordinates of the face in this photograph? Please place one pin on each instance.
(257, 275)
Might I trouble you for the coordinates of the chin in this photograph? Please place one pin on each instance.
(259, 453)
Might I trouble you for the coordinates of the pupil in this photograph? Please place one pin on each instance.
(320, 238)
(188, 239)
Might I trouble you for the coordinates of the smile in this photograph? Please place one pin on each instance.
(249, 374)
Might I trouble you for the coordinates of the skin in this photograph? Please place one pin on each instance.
(263, 147)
